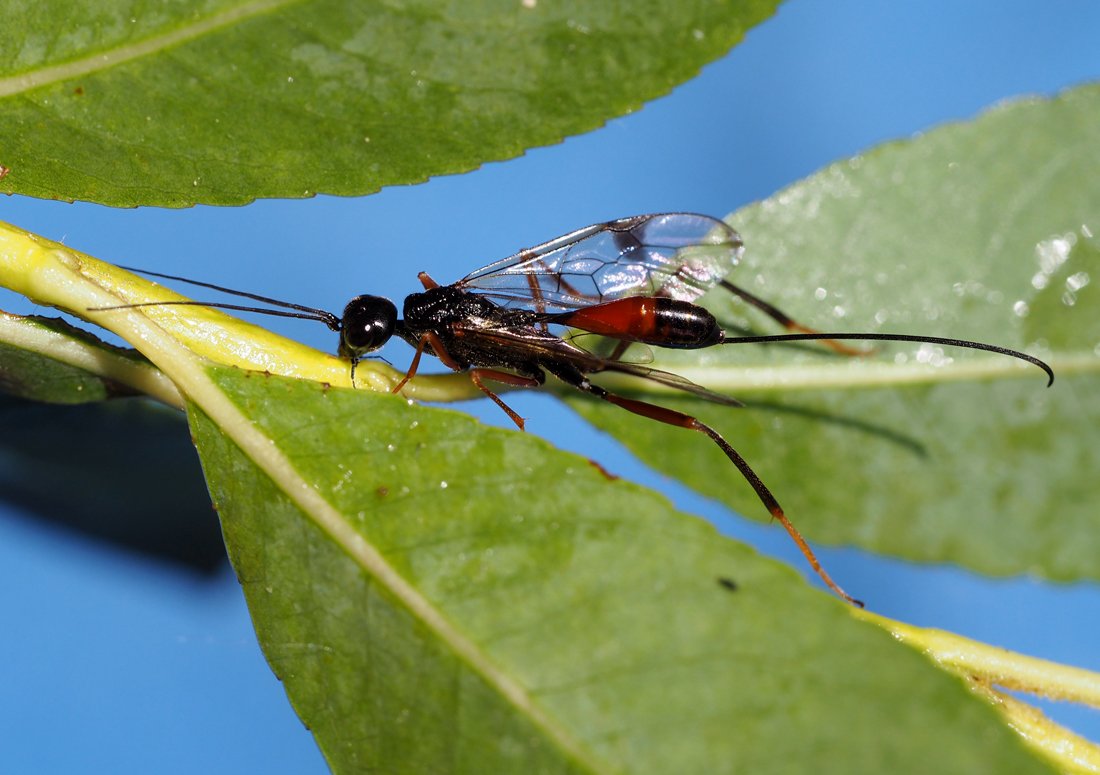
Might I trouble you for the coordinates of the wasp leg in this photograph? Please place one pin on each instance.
(424, 340)
(681, 420)
(534, 379)
(430, 338)
(785, 320)
(620, 350)
(536, 297)
(518, 380)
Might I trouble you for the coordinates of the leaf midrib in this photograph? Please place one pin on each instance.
(105, 59)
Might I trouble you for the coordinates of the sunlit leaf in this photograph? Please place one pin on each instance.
(223, 102)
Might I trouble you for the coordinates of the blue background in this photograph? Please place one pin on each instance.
(112, 662)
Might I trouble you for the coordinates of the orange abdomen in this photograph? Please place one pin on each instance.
(653, 320)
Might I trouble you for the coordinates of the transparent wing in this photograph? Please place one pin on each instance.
(679, 255)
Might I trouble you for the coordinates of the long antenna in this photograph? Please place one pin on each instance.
(310, 313)
(897, 338)
(327, 318)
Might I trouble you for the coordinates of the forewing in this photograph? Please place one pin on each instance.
(678, 255)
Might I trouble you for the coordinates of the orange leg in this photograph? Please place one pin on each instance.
(476, 375)
(424, 340)
(536, 296)
(681, 420)
(508, 379)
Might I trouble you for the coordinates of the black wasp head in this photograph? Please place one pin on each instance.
(367, 324)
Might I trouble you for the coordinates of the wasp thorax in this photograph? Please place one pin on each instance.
(367, 324)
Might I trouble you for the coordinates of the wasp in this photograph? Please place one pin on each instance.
(629, 283)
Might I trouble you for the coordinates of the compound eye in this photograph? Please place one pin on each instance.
(367, 324)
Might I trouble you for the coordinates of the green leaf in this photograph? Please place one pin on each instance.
(46, 359)
(982, 230)
(441, 596)
(175, 104)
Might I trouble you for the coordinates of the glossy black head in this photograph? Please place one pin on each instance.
(367, 324)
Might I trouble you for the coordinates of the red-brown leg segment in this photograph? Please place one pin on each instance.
(620, 349)
(508, 379)
(603, 471)
(785, 320)
(679, 419)
(536, 296)
(414, 365)
(431, 338)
